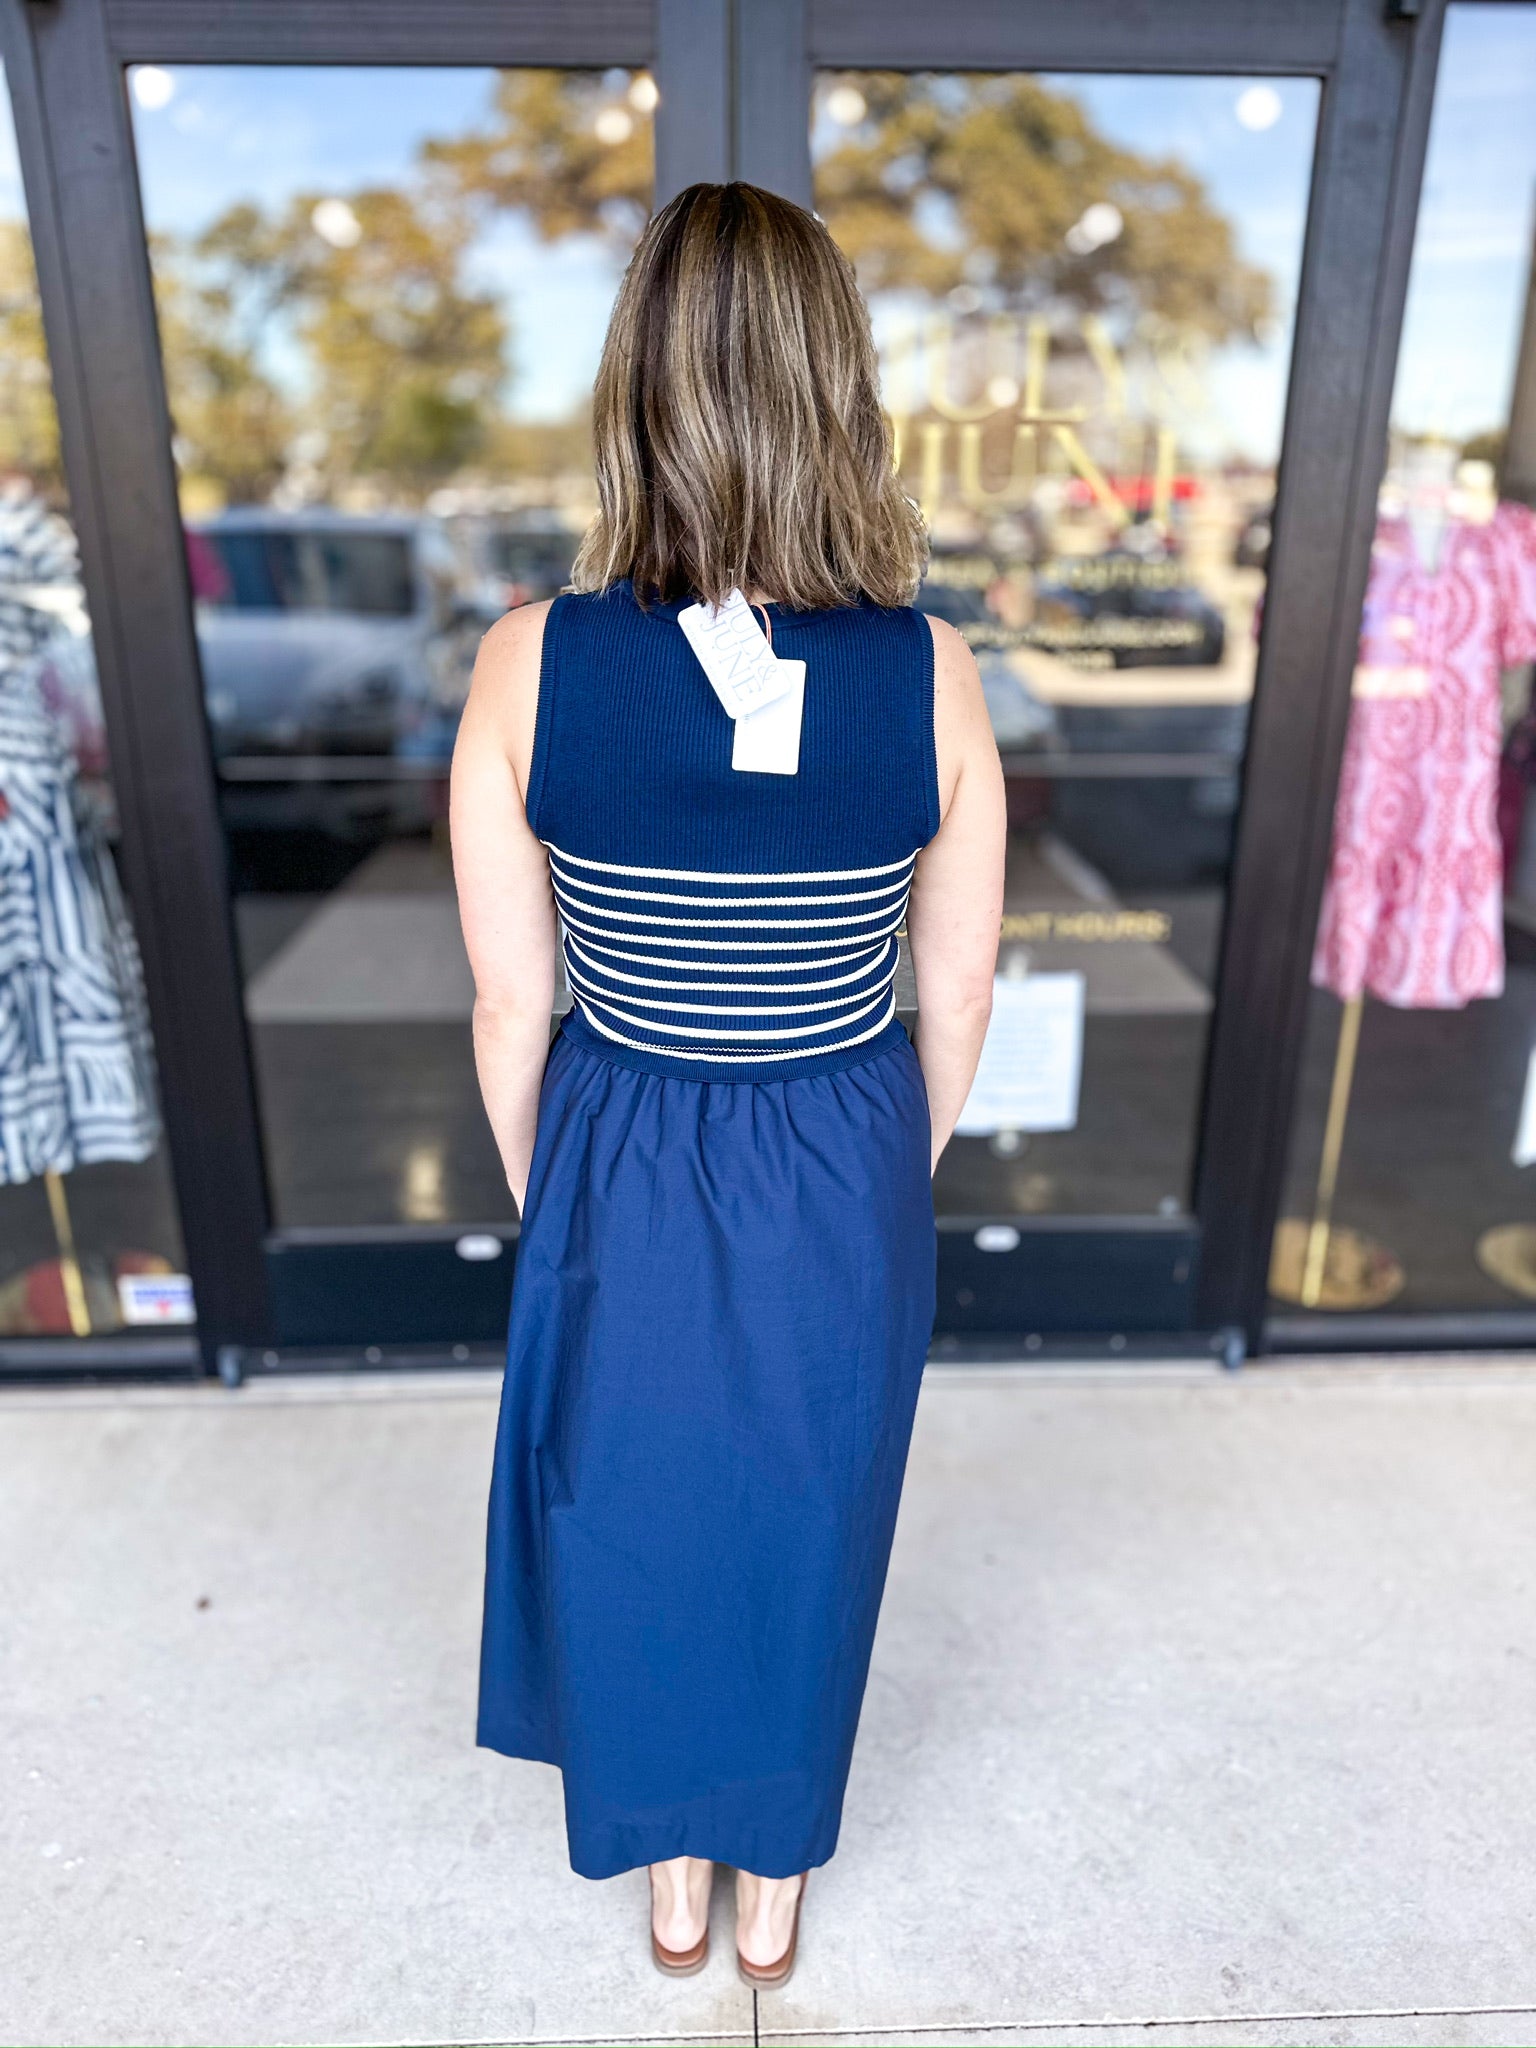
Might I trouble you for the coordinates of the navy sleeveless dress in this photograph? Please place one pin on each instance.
(725, 1279)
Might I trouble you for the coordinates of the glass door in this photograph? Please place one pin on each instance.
(1411, 1188)
(323, 298)
(90, 1244)
(1084, 292)
(381, 294)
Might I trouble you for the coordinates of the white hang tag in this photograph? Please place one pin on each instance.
(734, 655)
(767, 742)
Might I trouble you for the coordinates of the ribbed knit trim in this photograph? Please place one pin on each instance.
(931, 744)
(778, 614)
(544, 712)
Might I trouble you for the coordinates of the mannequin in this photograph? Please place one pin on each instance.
(1413, 909)
(1427, 476)
(76, 1078)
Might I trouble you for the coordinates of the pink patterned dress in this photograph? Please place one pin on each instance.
(1413, 909)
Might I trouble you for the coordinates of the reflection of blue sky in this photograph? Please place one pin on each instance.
(1472, 251)
(266, 133)
(1259, 180)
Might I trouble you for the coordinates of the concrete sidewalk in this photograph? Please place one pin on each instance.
(1202, 1711)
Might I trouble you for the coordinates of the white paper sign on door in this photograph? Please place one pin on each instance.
(1525, 1134)
(1032, 1062)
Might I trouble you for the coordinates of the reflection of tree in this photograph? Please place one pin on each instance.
(1487, 446)
(947, 181)
(974, 180)
(232, 423)
(543, 155)
(29, 430)
(402, 360)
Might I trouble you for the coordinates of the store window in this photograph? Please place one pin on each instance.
(382, 295)
(89, 1243)
(1083, 291)
(1412, 1179)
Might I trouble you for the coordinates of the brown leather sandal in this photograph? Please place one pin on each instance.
(680, 1962)
(770, 1976)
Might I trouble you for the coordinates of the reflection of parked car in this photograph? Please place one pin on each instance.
(1019, 720)
(329, 642)
(517, 557)
(532, 556)
(1051, 686)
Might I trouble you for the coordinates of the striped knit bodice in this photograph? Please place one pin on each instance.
(719, 924)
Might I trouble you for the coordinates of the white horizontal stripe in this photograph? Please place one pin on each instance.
(725, 988)
(630, 958)
(690, 1052)
(725, 924)
(602, 996)
(734, 945)
(705, 875)
(712, 1032)
(577, 882)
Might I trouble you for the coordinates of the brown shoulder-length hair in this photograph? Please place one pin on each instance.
(736, 420)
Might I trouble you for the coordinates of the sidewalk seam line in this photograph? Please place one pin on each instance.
(1081, 2026)
(1098, 2026)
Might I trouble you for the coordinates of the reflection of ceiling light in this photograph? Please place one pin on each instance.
(847, 105)
(423, 1191)
(335, 222)
(643, 94)
(965, 298)
(1259, 107)
(1100, 223)
(1002, 391)
(152, 87)
(613, 124)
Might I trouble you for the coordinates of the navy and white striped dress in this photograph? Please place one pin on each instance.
(724, 1287)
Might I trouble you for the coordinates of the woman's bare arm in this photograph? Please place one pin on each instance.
(506, 905)
(955, 914)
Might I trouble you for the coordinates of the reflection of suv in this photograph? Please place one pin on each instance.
(532, 556)
(1055, 690)
(516, 558)
(330, 642)
(1019, 721)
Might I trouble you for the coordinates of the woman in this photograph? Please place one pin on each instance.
(725, 1280)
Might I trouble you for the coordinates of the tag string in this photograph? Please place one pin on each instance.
(767, 623)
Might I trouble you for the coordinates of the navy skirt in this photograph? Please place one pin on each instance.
(723, 1300)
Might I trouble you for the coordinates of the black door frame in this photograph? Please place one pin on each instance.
(735, 79)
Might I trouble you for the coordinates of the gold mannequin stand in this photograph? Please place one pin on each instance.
(69, 1261)
(1314, 1264)
(1507, 1253)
